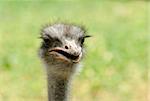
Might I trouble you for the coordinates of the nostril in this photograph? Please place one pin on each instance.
(66, 47)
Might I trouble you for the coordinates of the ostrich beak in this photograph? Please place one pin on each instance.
(63, 54)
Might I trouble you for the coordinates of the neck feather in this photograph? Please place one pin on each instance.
(57, 88)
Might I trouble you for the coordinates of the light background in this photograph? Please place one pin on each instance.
(115, 66)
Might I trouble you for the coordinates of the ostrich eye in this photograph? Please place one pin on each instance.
(56, 42)
(51, 40)
(46, 40)
(81, 40)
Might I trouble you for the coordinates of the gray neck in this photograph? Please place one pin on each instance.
(57, 88)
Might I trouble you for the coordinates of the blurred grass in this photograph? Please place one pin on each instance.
(115, 67)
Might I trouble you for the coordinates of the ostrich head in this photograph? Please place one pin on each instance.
(62, 47)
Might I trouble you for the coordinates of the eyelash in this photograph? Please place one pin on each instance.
(82, 39)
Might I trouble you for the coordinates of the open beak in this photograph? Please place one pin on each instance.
(63, 54)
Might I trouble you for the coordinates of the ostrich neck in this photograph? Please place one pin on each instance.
(57, 88)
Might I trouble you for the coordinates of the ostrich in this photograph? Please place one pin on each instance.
(61, 51)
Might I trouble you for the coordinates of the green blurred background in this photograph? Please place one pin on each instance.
(114, 68)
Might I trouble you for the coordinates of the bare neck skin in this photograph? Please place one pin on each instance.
(59, 84)
(57, 88)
